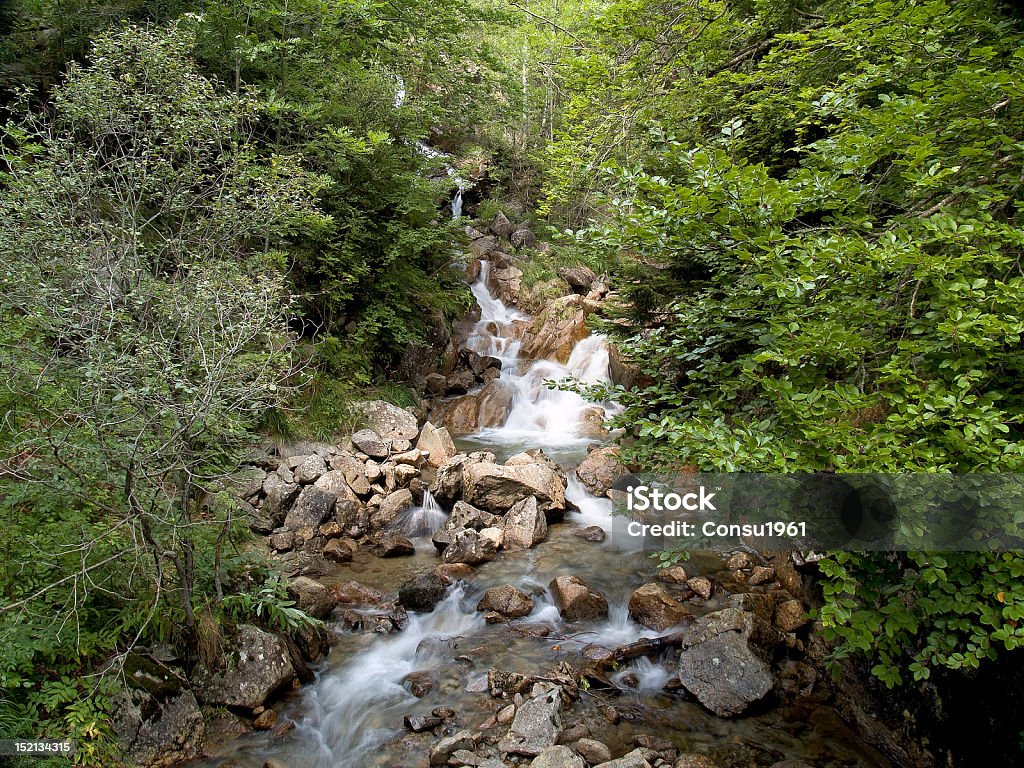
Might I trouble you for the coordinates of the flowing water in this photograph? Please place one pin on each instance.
(351, 716)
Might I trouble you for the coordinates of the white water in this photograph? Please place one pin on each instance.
(457, 204)
(540, 416)
(353, 709)
(422, 520)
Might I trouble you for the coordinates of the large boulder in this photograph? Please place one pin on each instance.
(488, 406)
(422, 592)
(159, 734)
(525, 525)
(438, 444)
(579, 278)
(257, 667)
(725, 660)
(576, 601)
(499, 488)
(508, 601)
(387, 420)
(467, 516)
(354, 471)
(310, 469)
(600, 470)
(505, 283)
(447, 485)
(557, 329)
(501, 226)
(536, 725)
(311, 508)
(334, 481)
(654, 608)
(393, 505)
(469, 547)
(311, 596)
(522, 238)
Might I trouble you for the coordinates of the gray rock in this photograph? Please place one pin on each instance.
(694, 761)
(469, 547)
(579, 278)
(354, 470)
(258, 666)
(525, 525)
(723, 661)
(501, 226)
(634, 759)
(523, 238)
(278, 499)
(446, 747)
(334, 481)
(387, 420)
(370, 443)
(437, 443)
(310, 469)
(339, 551)
(467, 516)
(536, 725)
(422, 592)
(311, 508)
(421, 723)
(394, 545)
(498, 488)
(601, 470)
(558, 757)
(576, 600)
(593, 751)
(593, 533)
(246, 483)
(506, 600)
(170, 736)
(311, 596)
(394, 504)
(654, 608)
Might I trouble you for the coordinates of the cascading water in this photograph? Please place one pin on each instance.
(352, 716)
(457, 204)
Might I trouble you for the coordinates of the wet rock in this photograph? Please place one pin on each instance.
(467, 516)
(310, 469)
(576, 601)
(592, 423)
(674, 574)
(258, 666)
(338, 551)
(593, 533)
(278, 498)
(495, 535)
(506, 714)
(311, 508)
(508, 601)
(394, 545)
(453, 572)
(421, 723)
(354, 593)
(558, 757)
(469, 547)
(536, 725)
(505, 283)
(447, 485)
(789, 616)
(691, 760)
(265, 720)
(791, 763)
(579, 278)
(435, 383)
(701, 585)
(651, 606)
(419, 684)
(557, 329)
(600, 470)
(724, 660)
(422, 592)
(311, 596)
(634, 759)
(446, 747)
(370, 443)
(437, 443)
(593, 751)
(525, 525)
(488, 406)
(761, 575)
(388, 421)
(499, 488)
(393, 505)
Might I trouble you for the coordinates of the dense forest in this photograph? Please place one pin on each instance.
(224, 221)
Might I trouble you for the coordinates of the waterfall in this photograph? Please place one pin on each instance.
(422, 520)
(457, 204)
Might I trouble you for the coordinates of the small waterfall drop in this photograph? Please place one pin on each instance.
(422, 520)
(457, 204)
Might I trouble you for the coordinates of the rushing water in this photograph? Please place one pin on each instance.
(352, 715)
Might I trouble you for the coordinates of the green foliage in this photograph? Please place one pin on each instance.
(269, 606)
(821, 229)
